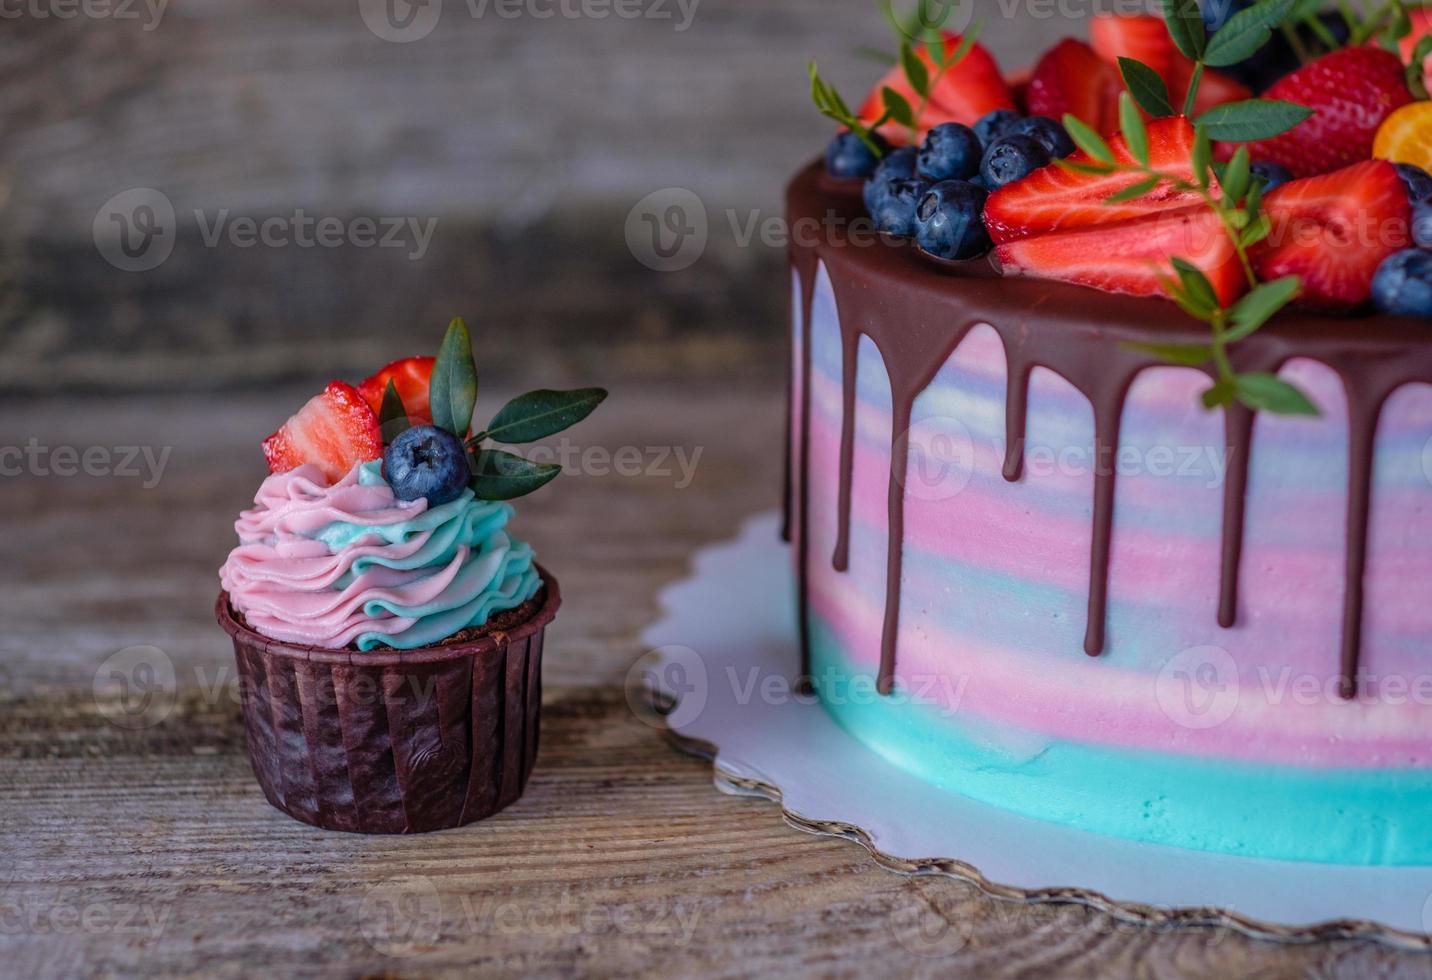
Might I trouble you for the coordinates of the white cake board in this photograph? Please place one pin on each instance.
(722, 656)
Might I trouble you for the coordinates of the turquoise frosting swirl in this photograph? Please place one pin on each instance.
(497, 574)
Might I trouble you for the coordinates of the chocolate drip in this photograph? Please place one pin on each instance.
(915, 316)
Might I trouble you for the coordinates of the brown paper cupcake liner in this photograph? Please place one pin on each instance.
(393, 741)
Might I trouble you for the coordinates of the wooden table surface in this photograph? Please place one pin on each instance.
(150, 850)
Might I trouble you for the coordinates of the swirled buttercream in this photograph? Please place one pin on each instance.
(350, 563)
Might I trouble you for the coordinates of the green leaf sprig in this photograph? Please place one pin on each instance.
(452, 396)
(832, 106)
(1236, 197)
(1258, 390)
(929, 30)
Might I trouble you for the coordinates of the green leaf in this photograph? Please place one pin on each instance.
(1132, 126)
(392, 416)
(1245, 32)
(1202, 156)
(499, 475)
(1256, 231)
(1147, 88)
(1261, 302)
(1270, 393)
(1185, 26)
(1093, 169)
(1194, 81)
(539, 414)
(1087, 140)
(1236, 177)
(1181, 355)
(1195, 284)
(452, 394)
(1135, 190)
(1221, 393)
(1253, 119)
(898, 107)
(915, 71)
(1415, 80)
(967, 40)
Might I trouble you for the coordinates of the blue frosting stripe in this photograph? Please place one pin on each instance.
(498, 573)
(1331, 816)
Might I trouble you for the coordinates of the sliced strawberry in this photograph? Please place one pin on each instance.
(971, 89)
(1055, 199)
(410, 376)
(1072, 78)
(334, 431)
(1132, 257)
(1352, 90)
(1334, 230)
(1142, 37)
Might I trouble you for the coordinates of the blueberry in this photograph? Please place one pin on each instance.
(1047, 133)
(1417, 181)
(951, 152)
(1422, 224)
(1272, 173)
(1011, 159)
(995, 125)
(426, 461)
(950, 220)
(1403, 283)
(896, 165)
(1217, 12)
(895, 214)
(848, 156)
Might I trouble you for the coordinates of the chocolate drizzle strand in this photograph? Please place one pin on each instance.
(916, 311)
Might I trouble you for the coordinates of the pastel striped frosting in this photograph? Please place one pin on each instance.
(351, 564)
(1182, 731)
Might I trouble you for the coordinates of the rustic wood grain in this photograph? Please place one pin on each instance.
(151, 851)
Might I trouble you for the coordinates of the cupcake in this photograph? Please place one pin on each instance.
(388, 627)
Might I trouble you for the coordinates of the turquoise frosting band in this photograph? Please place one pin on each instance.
(1335, 816)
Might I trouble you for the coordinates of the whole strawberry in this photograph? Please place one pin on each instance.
(1353, 91)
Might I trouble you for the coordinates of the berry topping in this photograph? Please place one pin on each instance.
(848, 156)
(1132, 257)
(1071, 78)
(334, 431)
(1012, 158)
(1049, 134)
(426, 461)
(1055, 199)
(1142, 37)
(1417, 181)
(410, 376)
(897, 165)
(968, 90)
(1406, 136)
(951, 151)
(1403, 283)
(1422, 224)
(1272, 174)
(1352, 90)
(1334, 231)
(996, 126)
(949, 221)
(895, 211)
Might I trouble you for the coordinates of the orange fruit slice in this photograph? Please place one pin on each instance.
(1406, 136)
